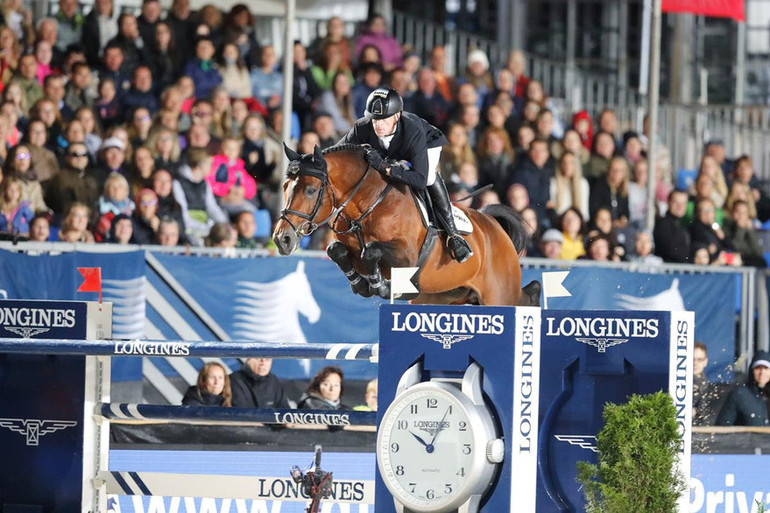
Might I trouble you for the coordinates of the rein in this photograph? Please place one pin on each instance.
(308, 228)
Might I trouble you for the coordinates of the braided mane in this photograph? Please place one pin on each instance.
(342, 147)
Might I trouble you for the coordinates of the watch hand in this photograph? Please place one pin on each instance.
(419, 439)
(440, 427)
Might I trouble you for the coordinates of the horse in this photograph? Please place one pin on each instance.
(377, 227)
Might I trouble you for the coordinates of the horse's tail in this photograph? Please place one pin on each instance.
(512, 223)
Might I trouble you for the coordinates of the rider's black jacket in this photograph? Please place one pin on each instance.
(413, 137)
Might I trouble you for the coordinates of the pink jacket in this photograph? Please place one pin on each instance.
(388, 46)
(224, 176)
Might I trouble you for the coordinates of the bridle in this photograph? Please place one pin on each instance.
(310, 225)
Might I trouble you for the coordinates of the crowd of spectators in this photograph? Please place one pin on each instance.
(163, 129)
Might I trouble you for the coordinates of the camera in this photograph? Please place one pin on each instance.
(316, 483)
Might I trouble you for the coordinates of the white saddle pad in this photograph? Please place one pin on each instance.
(462, 222)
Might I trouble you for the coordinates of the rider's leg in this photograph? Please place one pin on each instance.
(339, 255)
(442, 206)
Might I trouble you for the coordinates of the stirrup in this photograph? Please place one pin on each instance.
(463, 245)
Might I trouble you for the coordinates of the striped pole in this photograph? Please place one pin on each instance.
(217, 348)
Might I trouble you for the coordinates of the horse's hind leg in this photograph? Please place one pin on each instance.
(373, 254)
(338, 252)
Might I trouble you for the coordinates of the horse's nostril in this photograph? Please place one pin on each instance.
(286, 240)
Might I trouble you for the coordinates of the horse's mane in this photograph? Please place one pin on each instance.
(343, 147)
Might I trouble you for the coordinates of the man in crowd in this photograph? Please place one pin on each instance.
(254, 386)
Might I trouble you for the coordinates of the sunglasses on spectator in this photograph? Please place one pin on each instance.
(78, 154)
(148, 203)
(22, 156)
(142, 118)
(202, 113)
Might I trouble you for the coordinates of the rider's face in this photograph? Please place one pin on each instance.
(385, 127)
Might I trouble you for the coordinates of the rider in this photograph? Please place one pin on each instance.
(406, 149)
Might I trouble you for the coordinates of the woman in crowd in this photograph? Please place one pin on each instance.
(221, 113)
(235, 72)
(164, 145)
(739, 230)
(168, 207)
(115, 200)
(495, 159)
(456, 153)
(266, 80)
(338, 103)
(599, 163)
(15, 212)
(46, 110)
(211, 389)
(141, 169)
(573, 229)
(324, 391)
(611, 192)
(328, 66)
(145, 217)
(165, 63)
(74, 227)
(18, 164)
(568, 187)
(15, 94)
(706, 230)
(43, 161)
(93, 135)
(710, 167)
(121, 230)
(238, 26)
(139, 128)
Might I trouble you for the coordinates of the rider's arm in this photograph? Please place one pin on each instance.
(415, 153)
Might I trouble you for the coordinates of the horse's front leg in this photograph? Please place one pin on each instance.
(338, 252)
(372, 255)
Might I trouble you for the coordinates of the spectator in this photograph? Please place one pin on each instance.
(74, 183)
(201, 68)
(715, 148)
(148, 20)
(608, 122)
(517, 64)
(107, 104)
(193, 193)
(375, 34)
(222, 235)
(43, 162)
(182, 24)
(599, 248)
(705, 230)
(304, 88)
(266, 80)
(13, 93)
(48, 31)
(704, 189)
(325, 391)
(99, 27)
(307, 142)
(168, 208)
(568, 187)
(53, 90)
(169, 232)
(744, 173)
(532, 227)
(114, 200)
(323, 125)
(427, 102)
(254, 386)
(748, 405)
(572, 227)
(238, 27)
(141, 170)
(113, 160)
(141, 93)
(456, 153)
(246, 225)
(145, 217)
(74, 227)
(495, 159)
(632, 148)
(370, 397)
(477, 74)
(599, 164)
(39, 228)
(644, 247)
(235, 73)
(13, 136)
(741, 236)
(18, 165)
(611, 192)
(672, 240)
(602, 222)
(15, 212)
(335, 34)
(221, 113)
(741, 192)
(637, 195)
(338, 103)
(26, 77)
(260, 153)
(535, 173)
(703, 394)
(551, 244)
(235, 189)
(573, 144)
(213, 388)
(121, 230)
(370, 78)
(445, 83)
(710, 168)
(77, 92)
(136, 51)
(18, 19)
(92, 135)
(44, 56)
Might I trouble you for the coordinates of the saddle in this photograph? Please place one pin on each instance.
(425, 208)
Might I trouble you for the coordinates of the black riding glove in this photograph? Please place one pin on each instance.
(375, 160)
(397, 168)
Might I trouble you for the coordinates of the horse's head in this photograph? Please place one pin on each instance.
(307, 199)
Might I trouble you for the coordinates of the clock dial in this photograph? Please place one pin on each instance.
(426, 448)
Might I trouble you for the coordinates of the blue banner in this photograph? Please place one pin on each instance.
(710, 296)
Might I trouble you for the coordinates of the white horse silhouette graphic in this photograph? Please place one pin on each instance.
(128, 298)
(670, 300)
(269, 312)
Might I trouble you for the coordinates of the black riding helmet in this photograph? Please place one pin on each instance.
(382, 103)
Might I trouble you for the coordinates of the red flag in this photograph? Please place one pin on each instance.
(92, 280)
(734, 9)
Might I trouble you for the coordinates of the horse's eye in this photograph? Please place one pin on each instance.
(311, 191)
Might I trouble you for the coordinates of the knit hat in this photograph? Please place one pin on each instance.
(478, 56)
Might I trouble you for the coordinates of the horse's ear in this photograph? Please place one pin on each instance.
(291, 154)
(317, 153)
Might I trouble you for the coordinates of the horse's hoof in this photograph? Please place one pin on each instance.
(362, 288)
(384, 289)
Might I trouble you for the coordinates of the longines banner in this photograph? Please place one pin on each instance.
(42, 405)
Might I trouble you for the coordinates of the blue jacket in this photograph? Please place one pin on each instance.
(20, 221)
(204, 81)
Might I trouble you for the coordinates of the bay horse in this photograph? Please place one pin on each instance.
(377, 226)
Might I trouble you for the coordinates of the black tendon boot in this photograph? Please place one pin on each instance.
(458, 246)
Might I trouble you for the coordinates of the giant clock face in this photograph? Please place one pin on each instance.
(427, 449)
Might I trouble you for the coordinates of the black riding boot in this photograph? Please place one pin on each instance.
(458, 246)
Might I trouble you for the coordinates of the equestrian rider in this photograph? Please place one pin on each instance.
(406, 148)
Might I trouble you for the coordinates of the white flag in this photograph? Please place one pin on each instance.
(553, 287)
(400, 281)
